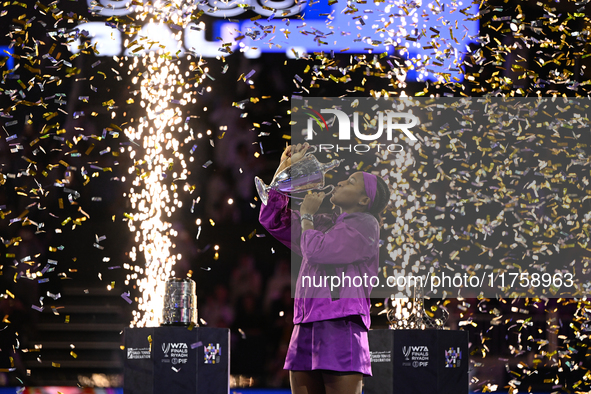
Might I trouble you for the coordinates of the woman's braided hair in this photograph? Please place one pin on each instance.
(381, 200)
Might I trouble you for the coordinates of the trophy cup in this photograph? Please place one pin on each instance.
(410, 314)
(180, 303)
(302, 176)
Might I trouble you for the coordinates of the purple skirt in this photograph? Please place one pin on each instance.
(336, 345)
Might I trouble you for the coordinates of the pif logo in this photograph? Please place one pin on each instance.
(386, 120)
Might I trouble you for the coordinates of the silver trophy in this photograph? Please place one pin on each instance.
(410, 314)
(302, 176)
(180, 303)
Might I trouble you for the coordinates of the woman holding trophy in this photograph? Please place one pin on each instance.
(329, 351)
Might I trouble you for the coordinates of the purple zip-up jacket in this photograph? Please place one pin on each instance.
(343, 246)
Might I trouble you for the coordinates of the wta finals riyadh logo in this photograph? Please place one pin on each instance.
(406, 352)
(165, 348)
(387, 120)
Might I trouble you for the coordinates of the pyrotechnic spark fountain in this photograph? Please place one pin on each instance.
(404, 208)
(164, 91)
(404, 204)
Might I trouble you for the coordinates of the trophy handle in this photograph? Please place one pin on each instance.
(301, 198)
(290, 195)
(310, 152)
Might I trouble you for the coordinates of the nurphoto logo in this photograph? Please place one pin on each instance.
(387, 121)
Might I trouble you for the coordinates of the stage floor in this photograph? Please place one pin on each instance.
(76, 390)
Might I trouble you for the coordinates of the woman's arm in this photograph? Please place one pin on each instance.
(308, 208)
(282, 222)
(276, 216)
(353, 240)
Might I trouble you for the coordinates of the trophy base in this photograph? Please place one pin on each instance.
(176, 360)
(262, 189)
(176, 324)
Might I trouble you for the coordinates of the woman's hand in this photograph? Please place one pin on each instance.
(295, 152)
(292, 154)
(298, 152)
(312, 202)
(286, 154)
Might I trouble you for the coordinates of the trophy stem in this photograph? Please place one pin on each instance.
(262, 189)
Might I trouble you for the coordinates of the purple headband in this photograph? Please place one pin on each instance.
(371, 184)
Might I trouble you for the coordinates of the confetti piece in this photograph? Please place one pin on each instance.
(196, 344)
(250, 74)
(125, 296)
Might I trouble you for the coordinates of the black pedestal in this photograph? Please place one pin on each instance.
(177, 360)
(418, 362)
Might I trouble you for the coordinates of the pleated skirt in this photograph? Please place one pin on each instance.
(338, 345)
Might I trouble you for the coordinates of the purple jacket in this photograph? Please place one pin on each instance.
(343, 246)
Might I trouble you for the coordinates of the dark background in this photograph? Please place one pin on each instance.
(77, 337)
